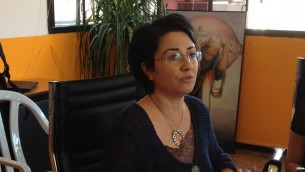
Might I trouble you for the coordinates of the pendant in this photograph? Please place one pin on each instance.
(174, 135)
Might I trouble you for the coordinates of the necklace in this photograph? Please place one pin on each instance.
(175, 131)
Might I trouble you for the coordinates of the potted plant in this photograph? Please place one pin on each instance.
(105, 41)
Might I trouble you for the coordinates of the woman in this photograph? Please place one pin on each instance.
(295, 158)
(167, 130)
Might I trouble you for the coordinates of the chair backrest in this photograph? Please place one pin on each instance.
(81, 113)
(15, 100)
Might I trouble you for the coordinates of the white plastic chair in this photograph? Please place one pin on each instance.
(17, 99)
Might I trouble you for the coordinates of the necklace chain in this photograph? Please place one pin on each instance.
(175, 131)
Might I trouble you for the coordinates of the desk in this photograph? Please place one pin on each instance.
(42, 87)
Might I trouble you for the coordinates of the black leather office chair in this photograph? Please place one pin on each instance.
(81, 113)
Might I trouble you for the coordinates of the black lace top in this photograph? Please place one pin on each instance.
(134, 145)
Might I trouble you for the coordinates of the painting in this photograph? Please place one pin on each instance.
(220, 37)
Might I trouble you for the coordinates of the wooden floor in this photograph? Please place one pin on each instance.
(246, 158)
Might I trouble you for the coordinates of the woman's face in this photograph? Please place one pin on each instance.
(175, 77)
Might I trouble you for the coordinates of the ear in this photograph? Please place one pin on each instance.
(148, 71)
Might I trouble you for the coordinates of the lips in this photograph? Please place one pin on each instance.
(187, 78)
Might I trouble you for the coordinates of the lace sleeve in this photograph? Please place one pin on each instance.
(120, 153)
(298, 120)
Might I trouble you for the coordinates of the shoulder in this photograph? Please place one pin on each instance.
(300, 130)
(198, 109)
(297, 123)
(195, 103)
(131, 116)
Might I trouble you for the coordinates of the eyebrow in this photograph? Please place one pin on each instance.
(177, 49)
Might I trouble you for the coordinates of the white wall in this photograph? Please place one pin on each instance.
(22, 18)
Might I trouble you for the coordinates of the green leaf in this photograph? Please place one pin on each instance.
(114, 22)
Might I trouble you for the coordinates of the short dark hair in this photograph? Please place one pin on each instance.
(145, 42)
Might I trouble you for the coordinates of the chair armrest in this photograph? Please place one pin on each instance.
(15, 164)
(275, 165)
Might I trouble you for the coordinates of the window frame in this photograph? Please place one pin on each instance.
(252, 32)
(275, 33)
(63, 29)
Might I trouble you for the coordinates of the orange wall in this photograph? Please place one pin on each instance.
(267, 89)
(52, 57)
(267, 84)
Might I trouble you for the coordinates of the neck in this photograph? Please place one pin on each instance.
(176, 129)
(171, 111)
(167, 103)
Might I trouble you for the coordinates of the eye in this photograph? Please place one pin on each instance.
(192, 55)
(173, 57)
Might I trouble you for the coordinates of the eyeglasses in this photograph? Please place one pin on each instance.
(176, 58)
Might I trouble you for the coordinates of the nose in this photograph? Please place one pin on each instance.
(186, 63)
(185, 58)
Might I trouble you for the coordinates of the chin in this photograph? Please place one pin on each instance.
(186, 89)
(189, 91)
